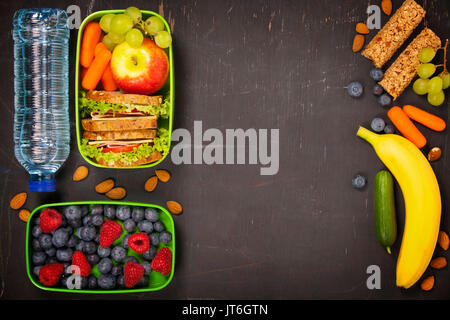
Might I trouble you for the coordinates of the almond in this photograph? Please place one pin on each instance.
(443, 240)
(427, 283)
(386, 6)
(24, 215)
(438, 263)
(434, 154)
(174, 207)
(18, 201)
(151, 183)
(117, 193)
(362, 28)
(358, 43)
(163, 175)
(80, 173)
(105, 186)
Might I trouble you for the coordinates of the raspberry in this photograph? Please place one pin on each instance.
(133, 272)
(109, 232)
(139, 242)
(49, 220)
(78, 259)
(50, 273)
(163, 261)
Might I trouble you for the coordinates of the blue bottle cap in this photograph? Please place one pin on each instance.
(42, 185)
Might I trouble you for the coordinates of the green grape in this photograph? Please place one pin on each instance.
(436, 99)
(121, 24)
(445, 80)
(134, 37)
(163, 39)
(426, 55)
(134, 13)
(420, 86)
(153, 25)
(107, 41)
(435, 85)
(116, 38)
(105, 22)
(426, 70)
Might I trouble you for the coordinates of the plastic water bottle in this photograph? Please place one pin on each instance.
(41, 119)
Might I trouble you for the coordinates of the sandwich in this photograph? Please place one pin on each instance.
(121, 130)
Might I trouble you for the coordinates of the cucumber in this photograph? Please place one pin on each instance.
(384, 209)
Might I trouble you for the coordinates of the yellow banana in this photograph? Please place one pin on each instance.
(422, 202)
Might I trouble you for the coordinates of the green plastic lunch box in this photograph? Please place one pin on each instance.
(168, 89)
(156, 281)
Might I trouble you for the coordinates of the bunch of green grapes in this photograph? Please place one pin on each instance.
(428, 84)
(130, 27)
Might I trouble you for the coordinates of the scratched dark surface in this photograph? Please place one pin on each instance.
(301, 234)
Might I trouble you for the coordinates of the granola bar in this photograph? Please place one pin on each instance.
(400, 74)
(394, 33)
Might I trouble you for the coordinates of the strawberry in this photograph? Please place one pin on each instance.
(163, 261)
(133, 272)
(50, 273)
(78, 259)
(49, 220)
(139, 242)
(109, 232)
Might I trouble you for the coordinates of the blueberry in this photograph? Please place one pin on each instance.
(37, 220)
(376, 74)
(84, 211)
(165, 237)
(121, 281)
(145, 226)
(63, 280)
(151, 214)
(158, 226)
(87, 221)
(377, 90)
(75, 223)
(36, 270)
(125, 241)
(81, 246)
(87, 233)
(38, 258)
(104, 266)
(378, 125)
(60, 238)
(118, 253)
(73, 241)
(84, 282)
(106, 281)
(50, 252)
(36, 245)
(131, 258)
(97, 238)
(137, 214)
(154, 239)
(110, 212)
(150, 253)
(147, 267)
(97, 220)
(97, 209)
(389, 129)
(92, 282)
(129, 225)
(93, 259)
(116, 270)
(36, 231)
(64, 255)
(45, 241)
(355, 89)
(90, 247)
(384, 100)
(359, 181)
(72, 213)
(123, 212)
(103, 252)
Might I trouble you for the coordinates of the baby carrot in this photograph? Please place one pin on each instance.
(100, 46)
(96, 69)
(83, 72)
(91, 37)
(107, 79)
(427, 119)
(406, 127)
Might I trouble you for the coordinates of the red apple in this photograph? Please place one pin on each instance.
(141, 70)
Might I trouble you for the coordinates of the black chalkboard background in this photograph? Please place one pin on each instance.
(304, 233)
